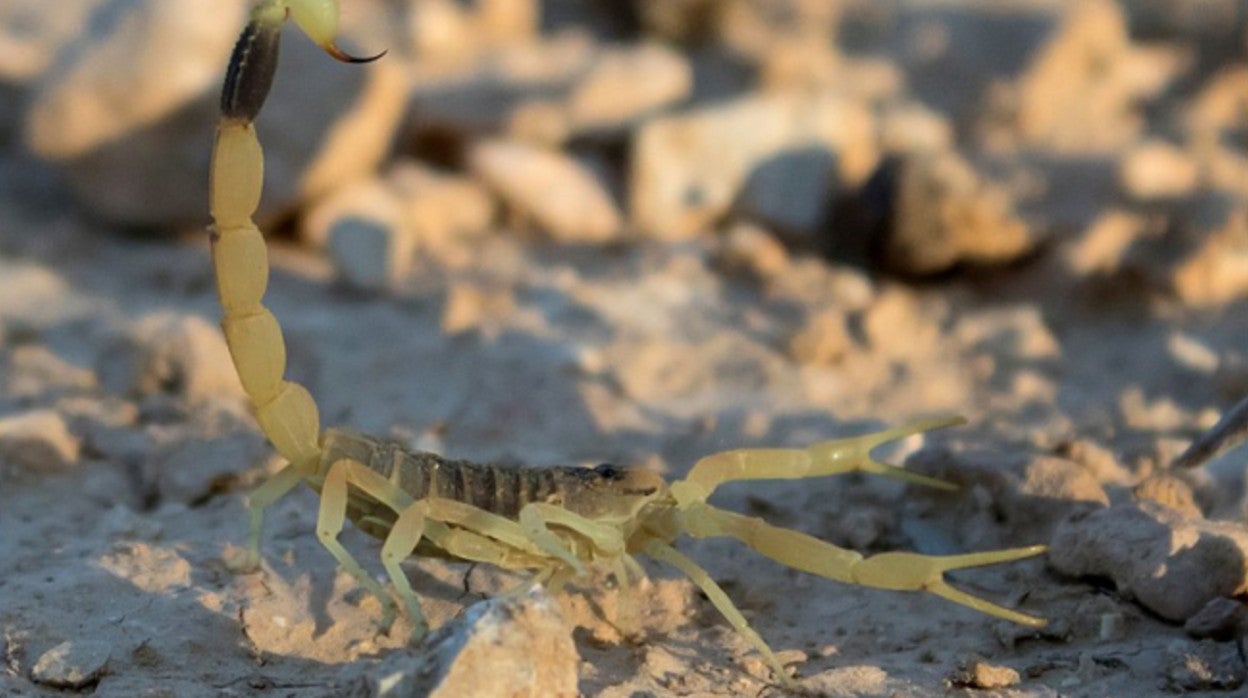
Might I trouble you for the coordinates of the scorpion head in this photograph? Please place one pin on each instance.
(614, 493)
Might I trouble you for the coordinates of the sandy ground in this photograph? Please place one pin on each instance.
(124, 491)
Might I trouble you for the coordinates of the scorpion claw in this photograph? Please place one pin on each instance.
(913, 572)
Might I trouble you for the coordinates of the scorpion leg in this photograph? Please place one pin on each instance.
(665, 553)
(329, 523)
(537, 517)
(260, 499)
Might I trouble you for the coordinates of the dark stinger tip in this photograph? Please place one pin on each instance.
(339, 54)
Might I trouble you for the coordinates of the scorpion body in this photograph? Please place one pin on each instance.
(553, 522)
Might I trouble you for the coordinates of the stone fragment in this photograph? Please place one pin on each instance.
(1203, 666)
(626, 84)
(167, 353)
(1216, 271)
(73, 664)
(1170, 563)
(750, 250)
(369, 239)
(823, 340)
(37, 442)
(1082, 90)
(981, 675)
(943, 213)
(791, 192)
(688, 169)
(1170, 491)
(560, 195)
(1221, 619)
(126, 115)
(507, 646)
(441, 208)
(191, 470)
(1155, 170)
(35, 32)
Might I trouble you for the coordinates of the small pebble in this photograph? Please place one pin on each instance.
(38, 442)
(73, 664)
(560, 195)
(514, 645)
(979, 674)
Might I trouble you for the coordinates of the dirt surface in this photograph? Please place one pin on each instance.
(1073, 284)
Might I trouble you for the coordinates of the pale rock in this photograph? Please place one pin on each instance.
(1154, 170)
(1216, 272)
(1168, 490)
(514, 645)
(441, 207)
(626, 84)
(129, 117)
(749, 249)
(191, 470)
(558, 194)
(34, 32)
(979, 674)
(824, 339)
(1081, 92)
(38, 441)
(944, 213)
(1171, 563)
(1103, 248)
(1204, 666)
(688, 169)
(366, 234)
(910, 127)
(167, 353)
(73, 664)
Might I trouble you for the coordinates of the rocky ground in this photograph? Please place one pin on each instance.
(638, 232)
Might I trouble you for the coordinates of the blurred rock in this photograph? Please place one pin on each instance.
(37, 442)
(1154, 170)
(1216, 272)
(34, 371)
(35, 32)
(170, 353)
(514, 645)
(1203, 666)
(748, 249)
(370, 242)
(442, 208)
(129, 117)
(1034, 494)
(910, 127)
(943, 213)
(73, 664)
(1170, 563)
(978, 674)
(558, 194)
(1083, 89)
(1221, 619)
(791, 192)
(1104, 247)
(688, 169)
(450, 32)
(1168, 491)
(191, 470)
(624, 85)
(824, 339)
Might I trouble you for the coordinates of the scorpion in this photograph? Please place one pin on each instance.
(552, 523)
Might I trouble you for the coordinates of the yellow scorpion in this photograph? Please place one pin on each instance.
(552, 522)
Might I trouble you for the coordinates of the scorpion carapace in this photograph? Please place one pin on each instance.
(552, 522)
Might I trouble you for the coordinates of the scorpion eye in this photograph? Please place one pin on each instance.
(609, 472)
